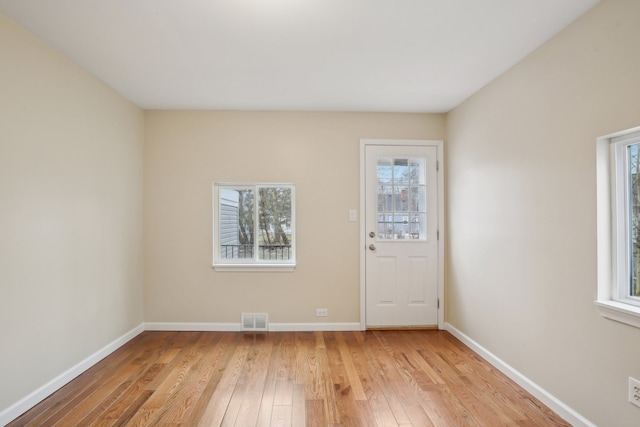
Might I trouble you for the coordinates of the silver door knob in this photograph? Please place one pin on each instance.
(372, 247)
(372, 234)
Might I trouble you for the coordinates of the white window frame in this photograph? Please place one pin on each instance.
(613, 231)
(253, 264)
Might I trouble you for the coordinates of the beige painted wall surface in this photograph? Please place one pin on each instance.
(70, 214)
(522, 213)
(185, 152)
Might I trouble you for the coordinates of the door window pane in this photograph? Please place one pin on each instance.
(385, 171)
(416, 169)
(401, 173)
(382, 225)
(401, 226)
(401, 198)
(418, 224)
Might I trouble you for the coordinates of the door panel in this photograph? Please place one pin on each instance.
(417, 268)
(401, 277)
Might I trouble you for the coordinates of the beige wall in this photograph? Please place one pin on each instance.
(185, 152)
(70, 214)
(522, 214)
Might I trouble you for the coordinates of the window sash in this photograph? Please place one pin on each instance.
(284, 254)
(622, 220)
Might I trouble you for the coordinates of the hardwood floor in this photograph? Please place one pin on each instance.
(373, 378)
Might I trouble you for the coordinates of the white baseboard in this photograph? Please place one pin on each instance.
(293, 327)
(26, 403)
(556, 405)
(234, 327)
(178, 326)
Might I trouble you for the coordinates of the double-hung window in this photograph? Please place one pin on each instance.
(618, 159)
(254, 226)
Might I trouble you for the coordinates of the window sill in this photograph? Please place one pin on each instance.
(620, 312)
(254, 267)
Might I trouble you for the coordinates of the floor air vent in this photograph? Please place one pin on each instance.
(255, 322)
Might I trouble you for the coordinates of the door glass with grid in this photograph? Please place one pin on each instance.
(402, 196)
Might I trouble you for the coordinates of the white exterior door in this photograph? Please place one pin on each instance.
(401, 235)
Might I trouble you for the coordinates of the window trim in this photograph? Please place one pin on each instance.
(612, 228)
(254, 265)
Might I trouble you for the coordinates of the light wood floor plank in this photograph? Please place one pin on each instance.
(198, 375)
(350, 368)
(225, 350)
(268, 395)
(314, 413)
(255, 374)
(217, 405)
(281, 416)
(330, 368)
(298, 409)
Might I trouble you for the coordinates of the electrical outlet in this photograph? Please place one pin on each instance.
(634, 391)
(322, 312)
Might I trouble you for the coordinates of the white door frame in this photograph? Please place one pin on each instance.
(363, 250)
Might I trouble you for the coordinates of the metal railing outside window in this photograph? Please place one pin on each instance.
(265, 252)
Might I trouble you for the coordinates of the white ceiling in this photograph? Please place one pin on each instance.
(316, 55)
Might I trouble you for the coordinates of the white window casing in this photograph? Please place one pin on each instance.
(614, 228)
(254, 227)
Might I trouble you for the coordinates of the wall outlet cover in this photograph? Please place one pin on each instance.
(634, 391)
